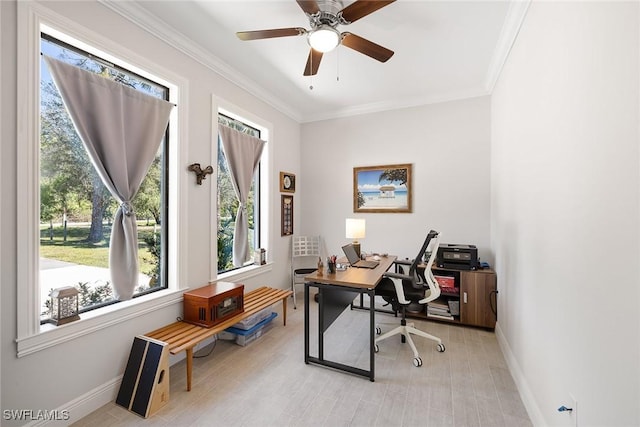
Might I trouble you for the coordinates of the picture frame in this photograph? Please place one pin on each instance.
(286, 215)
(383, 189)
(287, 182)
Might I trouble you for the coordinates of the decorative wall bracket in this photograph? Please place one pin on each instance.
(200, 173)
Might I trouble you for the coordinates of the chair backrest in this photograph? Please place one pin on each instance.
(430, 246)
(305, 246)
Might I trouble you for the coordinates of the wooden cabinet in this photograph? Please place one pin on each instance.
(469, 298)
(475, 294)
(478, 298)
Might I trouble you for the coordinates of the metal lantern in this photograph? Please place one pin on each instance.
(64, 305)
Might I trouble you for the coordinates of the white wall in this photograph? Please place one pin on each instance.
(564, 211)
(85, 370)
(448, 145)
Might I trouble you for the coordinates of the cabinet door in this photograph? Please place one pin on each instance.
(477, 298)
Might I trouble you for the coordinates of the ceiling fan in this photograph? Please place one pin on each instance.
(324, 18)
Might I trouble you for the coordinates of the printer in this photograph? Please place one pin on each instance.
(457, 257)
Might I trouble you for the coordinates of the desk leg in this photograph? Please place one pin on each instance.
(306, 323)
(372, 338)
(321, 301)
(189, 367)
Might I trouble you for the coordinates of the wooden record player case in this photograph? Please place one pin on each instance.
(212, 304)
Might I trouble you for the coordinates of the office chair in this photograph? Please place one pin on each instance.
(305, 251)
(402, 290)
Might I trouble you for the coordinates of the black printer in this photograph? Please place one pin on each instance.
(457, 257)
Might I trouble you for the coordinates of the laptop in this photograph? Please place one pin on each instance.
(355, 260)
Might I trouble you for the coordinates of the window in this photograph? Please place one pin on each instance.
(75, 206)
(33, 20)
(228, 202)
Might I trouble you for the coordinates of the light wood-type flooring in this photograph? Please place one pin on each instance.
(267, 383)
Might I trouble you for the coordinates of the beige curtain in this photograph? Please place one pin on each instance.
(121, 129)
(242, 152)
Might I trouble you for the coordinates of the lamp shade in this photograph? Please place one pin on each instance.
(355, 228)
(324, 38)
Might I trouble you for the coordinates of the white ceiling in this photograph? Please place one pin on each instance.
(444, 50)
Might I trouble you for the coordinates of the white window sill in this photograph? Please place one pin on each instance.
(50, 335)
(245, 272)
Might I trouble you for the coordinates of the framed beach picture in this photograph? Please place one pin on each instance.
(384, 188)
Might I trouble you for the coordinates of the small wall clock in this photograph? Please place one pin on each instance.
(287, 182)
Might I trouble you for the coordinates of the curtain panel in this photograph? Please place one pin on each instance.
(243, 153)
(121, 129)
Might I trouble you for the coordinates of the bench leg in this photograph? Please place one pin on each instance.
(284, 311)
(189, 367)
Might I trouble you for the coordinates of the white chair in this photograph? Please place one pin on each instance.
(402, 290)
(305, 251)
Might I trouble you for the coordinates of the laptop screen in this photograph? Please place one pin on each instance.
(350, 253)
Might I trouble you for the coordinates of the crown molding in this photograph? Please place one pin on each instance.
(160, 29)
(397, 104)
(510, 29)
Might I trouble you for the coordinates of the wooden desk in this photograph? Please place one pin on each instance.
(337, 292)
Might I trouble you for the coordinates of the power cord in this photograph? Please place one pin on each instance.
(212, 345)
(494, 308)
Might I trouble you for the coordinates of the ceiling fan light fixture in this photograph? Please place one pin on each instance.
(324, 38)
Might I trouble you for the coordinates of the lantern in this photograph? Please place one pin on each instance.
(64, 305)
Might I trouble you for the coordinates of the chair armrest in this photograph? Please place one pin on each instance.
(393, 275)
(403, 261)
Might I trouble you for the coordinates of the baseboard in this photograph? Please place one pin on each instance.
(82, 406)
(518, 377)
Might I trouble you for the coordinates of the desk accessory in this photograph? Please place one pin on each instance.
(331, 264)
(355, 229)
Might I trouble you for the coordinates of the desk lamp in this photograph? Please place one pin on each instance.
(355, 230)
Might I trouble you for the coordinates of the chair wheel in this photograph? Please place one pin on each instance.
(378, 330)
(417, 361)
(376, 348)
(440, 348)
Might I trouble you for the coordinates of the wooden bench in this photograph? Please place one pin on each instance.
(183, 336)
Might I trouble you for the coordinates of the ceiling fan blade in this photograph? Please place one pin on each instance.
(366, 47)
(361, 8)
(267, 34)
(309, 6)
(313, 62)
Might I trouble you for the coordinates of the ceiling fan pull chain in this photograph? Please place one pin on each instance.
(311, 74)
(337, 65)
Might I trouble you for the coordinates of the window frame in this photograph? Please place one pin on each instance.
(47, 37)
(257, 184)
(34, 18)
(265, 228)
